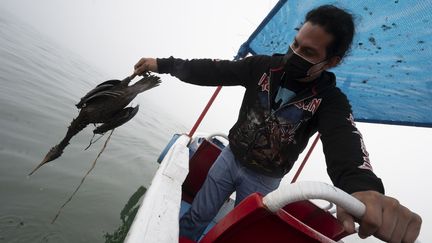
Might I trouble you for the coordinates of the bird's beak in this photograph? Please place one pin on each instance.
(45, 160)
(48, 157)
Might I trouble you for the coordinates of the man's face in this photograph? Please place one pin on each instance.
(311, 43)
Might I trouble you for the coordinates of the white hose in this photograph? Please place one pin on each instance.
(306, 190)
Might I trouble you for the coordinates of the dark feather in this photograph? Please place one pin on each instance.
(107, 85)
(121, 118)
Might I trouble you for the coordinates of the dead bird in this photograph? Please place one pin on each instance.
(104, 104)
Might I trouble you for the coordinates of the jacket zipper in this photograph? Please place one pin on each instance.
(283, 106)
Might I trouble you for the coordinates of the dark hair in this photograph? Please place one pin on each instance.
(337, 22)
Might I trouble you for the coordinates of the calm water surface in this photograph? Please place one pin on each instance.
(40, 83)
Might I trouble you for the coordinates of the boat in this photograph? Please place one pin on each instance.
(376, 88)
(180, 176)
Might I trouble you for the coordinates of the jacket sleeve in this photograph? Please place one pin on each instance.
(347, 160)
(208, 72)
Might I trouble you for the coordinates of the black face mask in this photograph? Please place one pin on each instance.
(296, 66)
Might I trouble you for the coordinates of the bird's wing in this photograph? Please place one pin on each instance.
(102, 87)
(117, 120)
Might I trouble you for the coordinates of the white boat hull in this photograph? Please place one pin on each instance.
(157, 218)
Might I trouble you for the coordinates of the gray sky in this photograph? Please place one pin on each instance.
(112, 35)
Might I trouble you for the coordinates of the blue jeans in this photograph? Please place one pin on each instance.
(225, 176)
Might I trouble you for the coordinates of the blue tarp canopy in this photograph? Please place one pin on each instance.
(387, 76)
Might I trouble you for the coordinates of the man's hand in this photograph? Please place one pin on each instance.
(385, 218)
(144, 65)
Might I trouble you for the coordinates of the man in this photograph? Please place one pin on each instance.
(288, 98)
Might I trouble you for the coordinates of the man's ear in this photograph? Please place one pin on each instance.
(333, 62)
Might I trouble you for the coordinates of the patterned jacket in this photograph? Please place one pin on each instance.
(269, 141)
